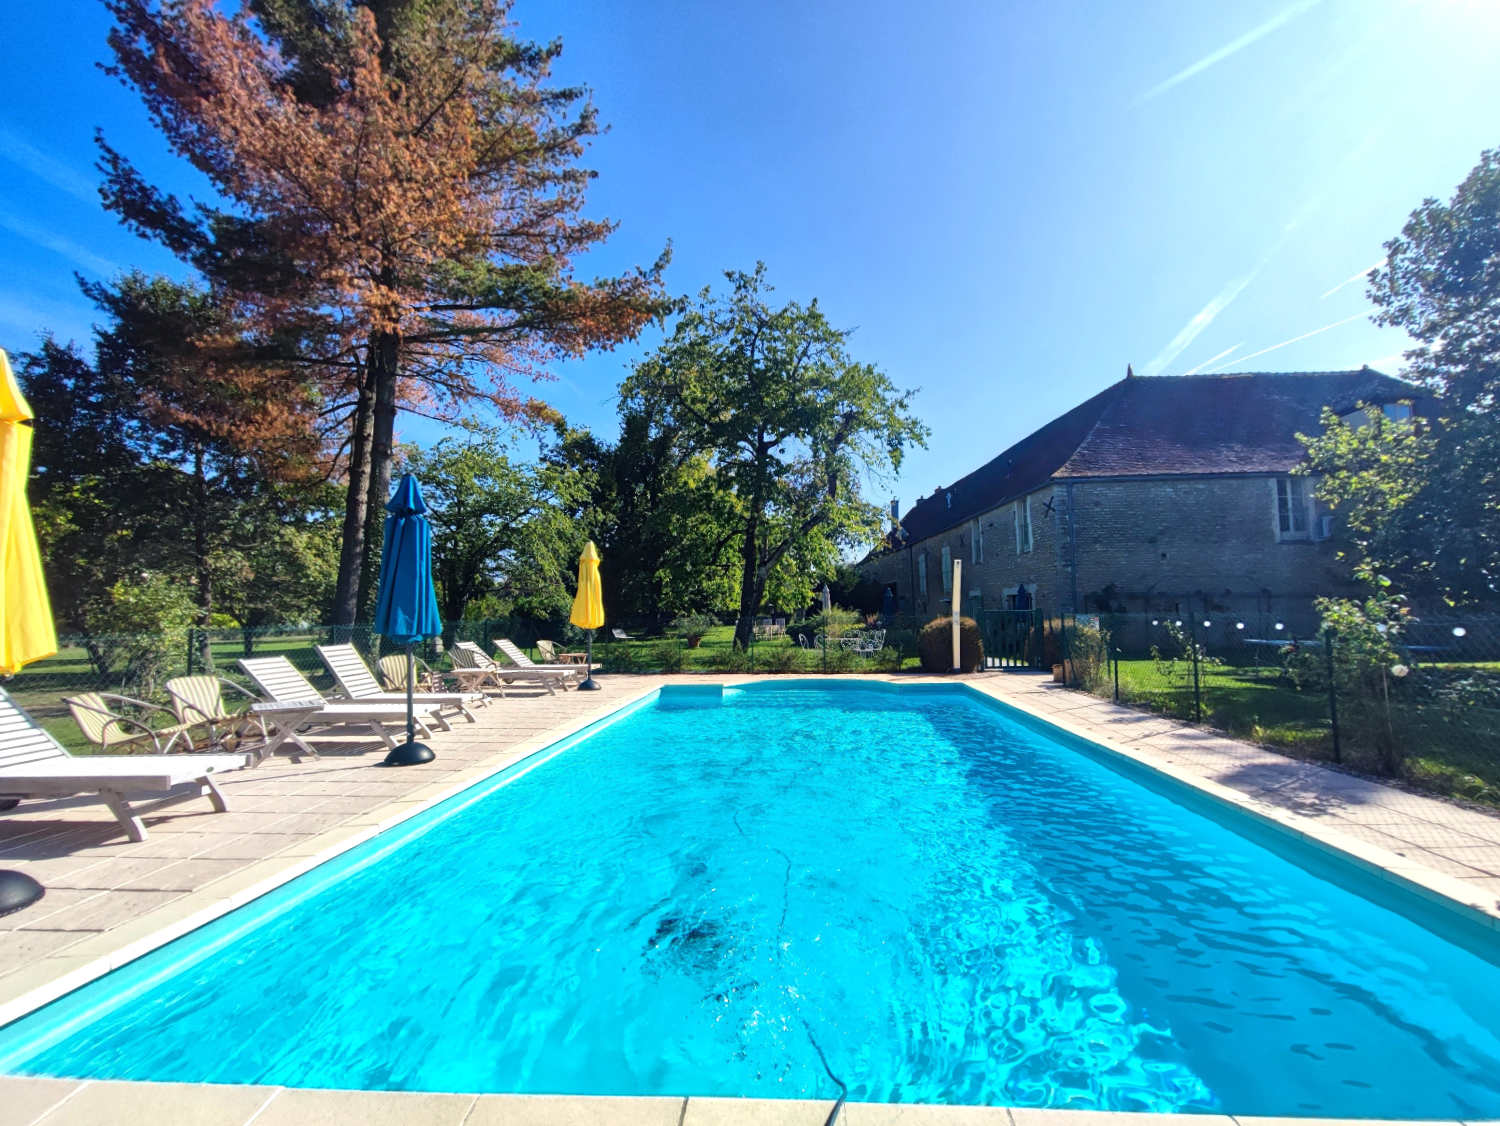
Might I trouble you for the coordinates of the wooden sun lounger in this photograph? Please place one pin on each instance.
(296, 704)
(358, 683)
(501, 675)
(35, 765)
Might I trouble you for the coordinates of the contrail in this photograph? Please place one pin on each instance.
(1199, 321)
(1285, 16)
(1213, 359)
(1293, 340)
(1351, 280)
(79, 255)
(21, 152)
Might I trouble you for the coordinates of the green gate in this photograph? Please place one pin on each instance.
(1012, 638)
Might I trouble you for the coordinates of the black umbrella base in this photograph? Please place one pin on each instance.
(590, 685)
(17, 891)
(409, 754)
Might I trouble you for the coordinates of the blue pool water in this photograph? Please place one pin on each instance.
(953, 905)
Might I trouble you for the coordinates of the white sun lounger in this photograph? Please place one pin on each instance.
(358, 683)
(297, 704)
(505, 674)
(518, 657)
(35, 765)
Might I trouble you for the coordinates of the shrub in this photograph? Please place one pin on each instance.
(778, 658)
(889, 659)
(729, 658)
(1088, 649)
(668, 656)
(692, 628)
(617, 657)
(144, 629)
(935, 645)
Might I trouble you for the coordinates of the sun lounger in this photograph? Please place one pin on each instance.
(512, 652)
(35, 765)
(508, 674)
(297, 704)
(358, 683)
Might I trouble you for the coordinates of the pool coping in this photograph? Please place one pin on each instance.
(125, 944)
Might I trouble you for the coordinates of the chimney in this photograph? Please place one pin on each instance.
(895, 512)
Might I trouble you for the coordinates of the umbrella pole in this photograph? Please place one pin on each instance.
(410, 753)
(588, 684)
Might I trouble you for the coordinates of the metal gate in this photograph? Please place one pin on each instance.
(1012, 638)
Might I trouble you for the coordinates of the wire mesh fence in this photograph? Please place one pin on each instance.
(138, 666)
(1415, 697)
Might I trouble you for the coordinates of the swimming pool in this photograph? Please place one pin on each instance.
(945, 900)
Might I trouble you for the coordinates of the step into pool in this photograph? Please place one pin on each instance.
(915, 892)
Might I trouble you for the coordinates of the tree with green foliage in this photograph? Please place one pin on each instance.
(665, 528)
(501, 531)
(397, 207)
(789, 423)
(1420, 500)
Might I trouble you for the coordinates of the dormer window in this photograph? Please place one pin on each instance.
(950, 500)
(1398, 412)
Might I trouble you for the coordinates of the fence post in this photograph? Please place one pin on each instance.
(1197, 683)
(1117, 674)
(1329, 637)
(190, 640)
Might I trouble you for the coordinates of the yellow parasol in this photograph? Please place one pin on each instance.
(26, 632)
(588, 604)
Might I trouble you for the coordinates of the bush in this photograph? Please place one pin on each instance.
(617, 657)
(1088, 649)
(692, 628)
(778, 658)
(668, 656)
(144, 629)
(889, 659)
(729, 658)
(935, 645)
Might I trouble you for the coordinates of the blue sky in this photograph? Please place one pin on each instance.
(1008, 202)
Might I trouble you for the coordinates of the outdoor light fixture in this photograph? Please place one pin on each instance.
(1206, 623)
(1239, 625)
(1178, 622)
(1459, 631)
(1155, 622)
(1280, 626)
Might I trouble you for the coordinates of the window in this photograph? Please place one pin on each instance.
(1293, 508)
(1397, 412)
(947, 569)
(922, 574)
(976, 542)
(950, 500)
(1022, 519)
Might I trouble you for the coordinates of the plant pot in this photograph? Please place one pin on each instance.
(1057, 674)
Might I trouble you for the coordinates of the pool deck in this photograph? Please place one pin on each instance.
(109, 901)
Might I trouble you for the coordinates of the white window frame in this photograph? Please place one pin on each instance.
(922, 574)
(947, 558)
(976, 542)
(1021, 518)
(1284, 498)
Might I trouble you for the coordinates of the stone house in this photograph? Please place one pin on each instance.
(1162, 493)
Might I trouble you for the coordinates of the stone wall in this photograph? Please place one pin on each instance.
(1180, 545)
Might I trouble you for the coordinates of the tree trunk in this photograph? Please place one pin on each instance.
(352, 550)
(205, 576)
(385, 355)
(751, 587)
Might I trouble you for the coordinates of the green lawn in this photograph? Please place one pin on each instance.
(1454, 752)
(716, 653)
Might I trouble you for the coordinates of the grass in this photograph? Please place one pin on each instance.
(716, 653)
(1455, 754)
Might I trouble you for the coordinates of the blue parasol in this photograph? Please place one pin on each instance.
(406, 611)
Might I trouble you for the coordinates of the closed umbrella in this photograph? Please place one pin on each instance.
(407, 611)
(588, 606)
(26, 632)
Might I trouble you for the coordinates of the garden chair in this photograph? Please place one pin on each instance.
(392, 669)
(35, 765)
(551, 655)
(475, 671)
(302, 706)
(358, 683)
(103, 724)
(620, 635)
(200, 700)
